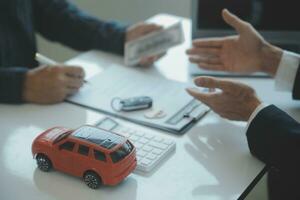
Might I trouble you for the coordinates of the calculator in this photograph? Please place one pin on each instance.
(150, 148)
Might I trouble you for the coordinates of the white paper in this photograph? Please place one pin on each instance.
(124, 82)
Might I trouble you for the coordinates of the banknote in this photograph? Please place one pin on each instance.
(153, 44)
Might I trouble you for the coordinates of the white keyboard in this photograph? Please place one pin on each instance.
(151, 149)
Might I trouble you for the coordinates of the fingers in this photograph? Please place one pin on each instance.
(69, 88)
(67, 76)
(203, 97)
(150, 60)
(160, 55)
(206, 54)
(141, 29)
(231, 19)
(71, 91)
(208, 43)
(148, 28)
(210, 82)
(207, 82)
(72, 82)
(207, 60)
(74, 76)
(204, 51)
(147, 61)
(73, 71)
(52, 84)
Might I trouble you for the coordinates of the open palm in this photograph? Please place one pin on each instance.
(240, 53)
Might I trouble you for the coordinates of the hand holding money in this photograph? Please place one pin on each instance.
(153, 43)
(136, 31)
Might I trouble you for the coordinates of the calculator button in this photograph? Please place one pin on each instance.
(134, 138)
(125, 134)
(143, 141)
(139, 158)
(150, 148)
(132, 131)
(138, 145)
(157, 151)
(149, 137)
(168, 142)
(158, 139)
(141, 153)
(124, 130)
(158, 145)
(140, 134)
(145, 161)
(147, 148)
(139, 161)
(151, 156)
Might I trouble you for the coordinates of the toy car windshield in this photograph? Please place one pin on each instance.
(61, 137)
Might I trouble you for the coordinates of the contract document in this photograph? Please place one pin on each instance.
(181, 110)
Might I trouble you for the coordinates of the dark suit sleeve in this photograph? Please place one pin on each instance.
(296, 88)
(11, 84)
(60, 21)
(274, 137)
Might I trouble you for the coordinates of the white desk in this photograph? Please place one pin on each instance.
(211, 162)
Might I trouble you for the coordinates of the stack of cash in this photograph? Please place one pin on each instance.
(153, 44)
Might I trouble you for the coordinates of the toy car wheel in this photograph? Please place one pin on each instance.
(92, 180)
(43, 163)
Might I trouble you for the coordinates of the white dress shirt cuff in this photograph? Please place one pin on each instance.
(287, 70)
(255, 113)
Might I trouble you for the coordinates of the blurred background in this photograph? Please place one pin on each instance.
(127, 11)
(131, 11)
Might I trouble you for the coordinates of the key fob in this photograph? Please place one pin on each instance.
(136, 103)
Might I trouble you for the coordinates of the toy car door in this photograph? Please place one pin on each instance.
(65, 157)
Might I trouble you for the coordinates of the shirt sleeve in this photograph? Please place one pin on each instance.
(255, 113)
(61, 21)
(287, 70)
(284, 78)
(11, 84)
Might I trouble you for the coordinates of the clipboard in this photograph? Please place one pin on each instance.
(186, 112)
(125, 82)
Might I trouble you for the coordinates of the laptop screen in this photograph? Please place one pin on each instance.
(267, 15)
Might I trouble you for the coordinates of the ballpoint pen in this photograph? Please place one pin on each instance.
(47, 61)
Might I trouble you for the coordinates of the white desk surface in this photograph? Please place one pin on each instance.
(211, 161)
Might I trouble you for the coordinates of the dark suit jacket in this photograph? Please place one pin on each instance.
(58, 21)
(274, 137)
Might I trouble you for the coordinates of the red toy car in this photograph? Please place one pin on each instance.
(99, 156)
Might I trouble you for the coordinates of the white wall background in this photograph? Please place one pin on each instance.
(128, 11)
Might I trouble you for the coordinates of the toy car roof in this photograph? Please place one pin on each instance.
(98, 136)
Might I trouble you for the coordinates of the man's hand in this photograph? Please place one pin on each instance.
(234, 101)
(139, 30)
(47, 85)
(247, 52)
